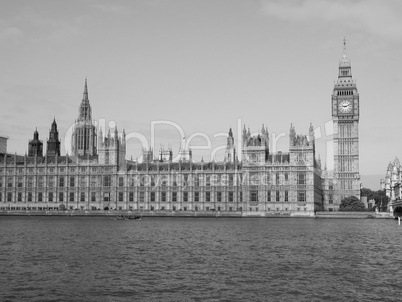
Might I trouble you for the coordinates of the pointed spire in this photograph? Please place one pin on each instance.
(344, 48)
(230, 132)
(85, 96)
(262, 129)
(345, 61)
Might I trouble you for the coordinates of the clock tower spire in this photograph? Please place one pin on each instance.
(345, 115)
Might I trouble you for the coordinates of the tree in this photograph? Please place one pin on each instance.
(351, 204)
(380, 198)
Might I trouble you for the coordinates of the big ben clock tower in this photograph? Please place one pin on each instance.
(345, 115)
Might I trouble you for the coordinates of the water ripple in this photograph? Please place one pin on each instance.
(169, 259)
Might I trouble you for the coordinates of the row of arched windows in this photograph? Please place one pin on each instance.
(345, 92)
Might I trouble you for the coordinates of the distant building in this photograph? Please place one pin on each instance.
(392, 184)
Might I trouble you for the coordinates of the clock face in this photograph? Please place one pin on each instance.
(345, 106)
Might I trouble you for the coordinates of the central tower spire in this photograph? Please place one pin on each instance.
(85, 113)
(84, 139)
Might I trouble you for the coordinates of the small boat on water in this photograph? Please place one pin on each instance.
(124, 217)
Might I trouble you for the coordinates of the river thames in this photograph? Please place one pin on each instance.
(199, 259)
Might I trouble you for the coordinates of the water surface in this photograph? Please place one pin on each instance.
(199, 259)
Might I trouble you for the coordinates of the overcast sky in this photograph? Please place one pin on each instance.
(203, 65)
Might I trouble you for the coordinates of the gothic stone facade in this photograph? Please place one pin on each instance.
(97, 175)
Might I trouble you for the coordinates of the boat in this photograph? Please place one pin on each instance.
(124, 217)
(136, 217)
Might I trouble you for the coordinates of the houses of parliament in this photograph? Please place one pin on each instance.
(98, 176)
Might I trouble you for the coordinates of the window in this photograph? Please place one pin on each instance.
(196, 196)
(40, 196)
(30, 182)
(277, 180)
(83, 182)
(286, 196)
(268, 195)
(61, 196)
(19, 196)
(330, 199)
(40, 181)
(185, 196)
(219, 196)
(72, 181)
(207, 196)
(301, 178)
(131, 196)
(29, 196)
(93, 196)
(51, 181)
(230, 196)
(82, 196)
(10, 182)
(93, 182)
(142, 196)
(163, 196)
(197, 180)
(277, 198)
(61, 181)
(107, 180)
(286, 176)
(301, 196)
(174, 196)
(9, 196)
(50, 197)
(121, 196)
(254, 195)
(121, 181)
(71, 196)
(208, 181)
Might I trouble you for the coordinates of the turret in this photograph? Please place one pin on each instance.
(230, 151)
(35, 146)
(53, 143)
